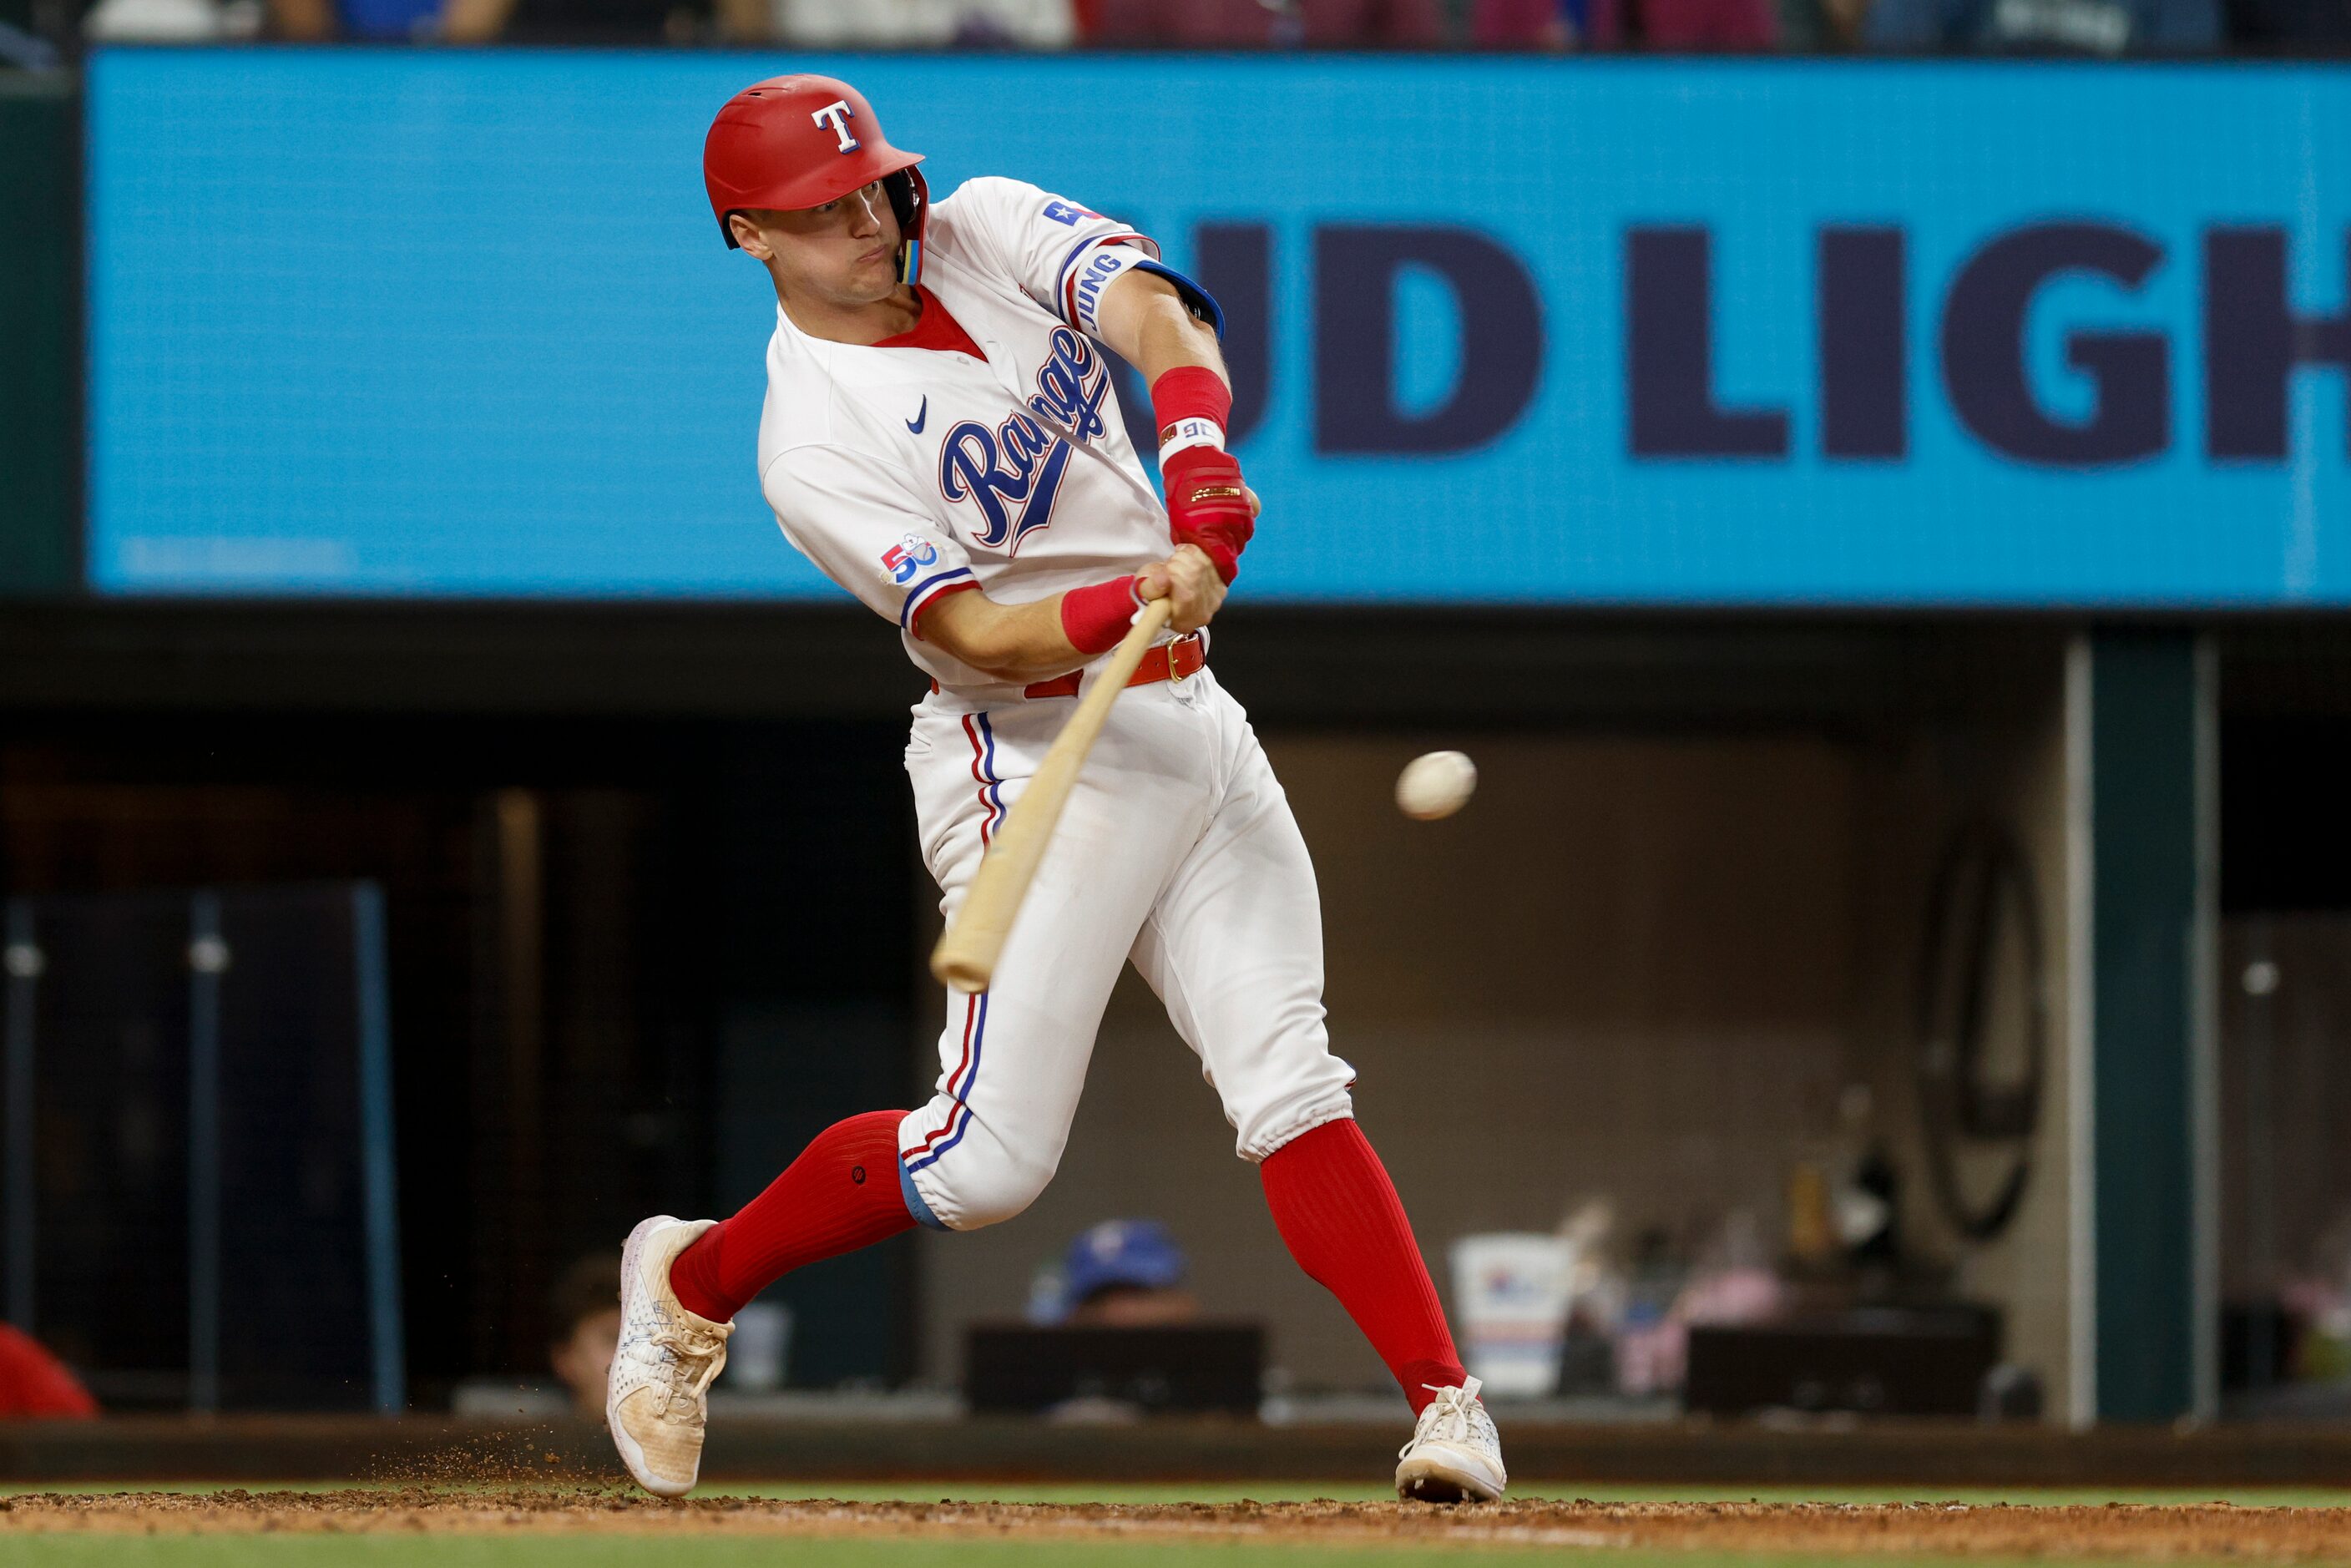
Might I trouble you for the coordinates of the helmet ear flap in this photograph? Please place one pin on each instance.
(908, 196)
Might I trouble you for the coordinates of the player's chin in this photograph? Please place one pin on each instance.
(860, 284)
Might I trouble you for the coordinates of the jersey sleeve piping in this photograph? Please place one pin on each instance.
(1065, 281)
(1198, 300)
(915, 614)
(920, 597)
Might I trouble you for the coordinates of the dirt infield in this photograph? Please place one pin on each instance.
(2210, 1531)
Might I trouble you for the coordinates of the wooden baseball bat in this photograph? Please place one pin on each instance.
(966, 953)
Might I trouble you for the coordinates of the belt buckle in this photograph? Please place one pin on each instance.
(1177, 673)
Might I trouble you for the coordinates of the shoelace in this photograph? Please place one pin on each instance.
(1450, 1418)
(683, 1360)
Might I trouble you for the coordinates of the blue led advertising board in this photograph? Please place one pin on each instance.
(1505, 330)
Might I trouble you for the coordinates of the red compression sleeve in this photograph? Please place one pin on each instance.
(1189, 392)
(841, 1194)
(1094, 618)
(1334, 1206)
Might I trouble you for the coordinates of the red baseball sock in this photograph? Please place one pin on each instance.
(1338, 1213)
(840, 1194)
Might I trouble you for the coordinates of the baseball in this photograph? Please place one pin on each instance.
(1436, 785)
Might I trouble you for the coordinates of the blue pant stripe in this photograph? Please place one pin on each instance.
(963, 1106)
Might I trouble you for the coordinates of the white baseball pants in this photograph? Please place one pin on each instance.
(1177, 849)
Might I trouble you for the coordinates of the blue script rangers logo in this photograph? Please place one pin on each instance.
(1013, 473)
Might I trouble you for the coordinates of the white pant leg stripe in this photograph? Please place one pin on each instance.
(982, 735)
(960, 1114)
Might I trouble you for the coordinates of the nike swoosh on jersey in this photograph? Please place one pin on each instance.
(921, 416)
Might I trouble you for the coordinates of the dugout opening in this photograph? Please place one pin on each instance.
(2283, 1001)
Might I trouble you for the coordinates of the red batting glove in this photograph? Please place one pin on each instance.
(1207, 506)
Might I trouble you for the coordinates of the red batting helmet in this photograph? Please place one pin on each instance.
(801, 141)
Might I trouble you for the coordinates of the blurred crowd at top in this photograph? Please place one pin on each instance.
(34, 31)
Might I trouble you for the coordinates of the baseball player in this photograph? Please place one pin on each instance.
(941, 438)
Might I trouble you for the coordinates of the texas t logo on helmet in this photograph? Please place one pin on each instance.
(837, 114)
(760, 155)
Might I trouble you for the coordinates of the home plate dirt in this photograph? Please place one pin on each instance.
(2215, 1530)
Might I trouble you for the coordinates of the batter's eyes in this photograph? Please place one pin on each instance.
(828, 206)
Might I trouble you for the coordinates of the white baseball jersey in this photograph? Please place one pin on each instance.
(905, 471)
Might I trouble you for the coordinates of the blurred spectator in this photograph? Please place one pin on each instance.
(915, 24)
(28, 24)
(1121, 1273)
(35, 1384)
(30, 32)
(593, 22)
(173, 21)
(1821, 27)
(23, 51)
(1684, 26)
(1267, 24)
(583, 1325)
(2071, 26)
(2315, 25)
(375, 21)
(1730, 1281)
(1529, 25)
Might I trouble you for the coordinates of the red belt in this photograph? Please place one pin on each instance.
(1174, 661)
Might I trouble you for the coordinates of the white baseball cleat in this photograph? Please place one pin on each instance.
(658, 1400)
(1455, 1454)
